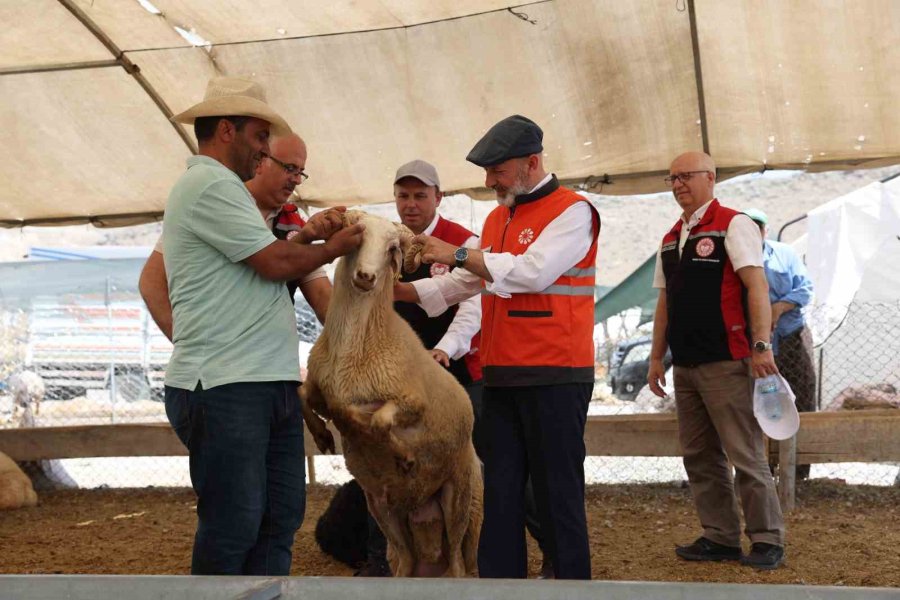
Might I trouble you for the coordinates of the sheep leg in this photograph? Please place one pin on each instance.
(476, 516)
(309, 393)
(397, 534)
(427, 526)
(383, 418)
(455, 506)
(391, 414)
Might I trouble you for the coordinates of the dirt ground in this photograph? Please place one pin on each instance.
(837, 535)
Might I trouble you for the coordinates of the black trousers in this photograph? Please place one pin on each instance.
(538, 432)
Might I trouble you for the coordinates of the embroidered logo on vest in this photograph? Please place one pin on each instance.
(705, 247)
(526, 236)
(439, 269)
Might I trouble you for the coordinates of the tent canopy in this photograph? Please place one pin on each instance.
(619, 88)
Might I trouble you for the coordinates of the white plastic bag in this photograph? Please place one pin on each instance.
(774, 408)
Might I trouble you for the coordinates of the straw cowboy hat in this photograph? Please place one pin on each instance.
(226, 96)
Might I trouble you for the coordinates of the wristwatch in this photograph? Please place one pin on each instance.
(461, 255)
(761, 346)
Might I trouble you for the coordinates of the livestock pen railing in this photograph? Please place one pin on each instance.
(837, 437)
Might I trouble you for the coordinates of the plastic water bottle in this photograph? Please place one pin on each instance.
(771, 399)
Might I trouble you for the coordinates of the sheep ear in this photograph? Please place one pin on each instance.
(411, 252)
(350, 217)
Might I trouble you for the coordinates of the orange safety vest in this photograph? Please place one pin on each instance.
(544, 337)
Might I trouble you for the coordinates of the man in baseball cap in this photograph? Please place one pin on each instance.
(231, 382)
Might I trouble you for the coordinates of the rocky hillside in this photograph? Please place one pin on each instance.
(632, 225)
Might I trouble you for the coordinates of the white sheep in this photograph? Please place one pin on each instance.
(16, 490)
(27, 389)
(405, 422)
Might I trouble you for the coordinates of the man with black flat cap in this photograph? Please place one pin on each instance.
(535, 271)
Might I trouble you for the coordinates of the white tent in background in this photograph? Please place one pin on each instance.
(853, 253)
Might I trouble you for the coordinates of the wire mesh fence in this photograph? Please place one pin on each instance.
(93, 359)
(853, 365)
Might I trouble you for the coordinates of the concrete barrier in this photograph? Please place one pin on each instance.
(89, 587)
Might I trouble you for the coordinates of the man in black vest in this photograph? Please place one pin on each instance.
(714, 314)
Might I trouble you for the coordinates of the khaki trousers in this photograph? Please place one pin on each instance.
(716, 425)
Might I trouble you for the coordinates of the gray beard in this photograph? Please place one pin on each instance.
(509, 199)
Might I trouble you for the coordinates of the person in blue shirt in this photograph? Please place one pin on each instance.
(790, 289)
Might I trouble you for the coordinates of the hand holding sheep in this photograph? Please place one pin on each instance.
(435, 250)
(345, 240)
(440, 356)
(322, 225)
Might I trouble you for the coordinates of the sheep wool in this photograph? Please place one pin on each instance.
(405, 422)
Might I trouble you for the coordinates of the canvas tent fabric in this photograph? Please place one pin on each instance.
(619, 88)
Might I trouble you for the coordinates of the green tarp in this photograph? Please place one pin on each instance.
(636, 290)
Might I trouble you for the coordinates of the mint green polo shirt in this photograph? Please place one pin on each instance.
(230, 324)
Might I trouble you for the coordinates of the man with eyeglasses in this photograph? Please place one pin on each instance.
(709, 270)
(231, 382)
(271, 188)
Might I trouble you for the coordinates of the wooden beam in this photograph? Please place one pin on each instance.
(632, 435)
(850, 436)
(87, 441)
(84, 441)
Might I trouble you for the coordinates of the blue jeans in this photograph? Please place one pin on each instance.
(245, 442)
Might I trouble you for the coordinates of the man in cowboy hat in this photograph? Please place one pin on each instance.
(232, 378)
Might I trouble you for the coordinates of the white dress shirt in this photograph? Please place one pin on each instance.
(559, 247)
(457, 341)
(743, 244)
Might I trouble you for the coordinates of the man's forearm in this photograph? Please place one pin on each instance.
(760, 312)
(155, 292)
(318, 294)
(660, 323)
(475, 265)
(287, 261)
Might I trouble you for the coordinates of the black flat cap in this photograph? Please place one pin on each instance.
(513, 137)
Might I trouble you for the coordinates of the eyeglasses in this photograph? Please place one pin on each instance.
(682, 177)
(289, 168)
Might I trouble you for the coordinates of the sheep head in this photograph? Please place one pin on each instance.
(381, 253)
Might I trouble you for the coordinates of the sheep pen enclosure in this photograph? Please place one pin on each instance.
(837, 535)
